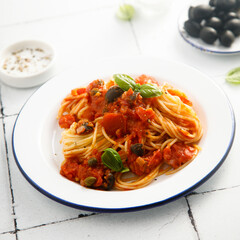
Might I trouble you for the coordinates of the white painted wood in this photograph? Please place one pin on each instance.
(6, 214)
(167, 222)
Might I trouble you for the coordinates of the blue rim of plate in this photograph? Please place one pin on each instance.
(127, 209)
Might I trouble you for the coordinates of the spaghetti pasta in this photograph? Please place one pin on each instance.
(152, 134)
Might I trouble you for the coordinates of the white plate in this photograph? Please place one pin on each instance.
(38, 154)
(216, 48)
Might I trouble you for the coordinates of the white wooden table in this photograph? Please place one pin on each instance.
(84, 30)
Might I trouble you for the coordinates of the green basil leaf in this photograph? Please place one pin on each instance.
(233, 76)
(124, 82)
(112, 160)
(125, 12)
(148, 91)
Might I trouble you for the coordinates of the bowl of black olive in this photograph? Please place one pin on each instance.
(212, 26)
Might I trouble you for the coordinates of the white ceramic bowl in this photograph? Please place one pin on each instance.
(30, 79)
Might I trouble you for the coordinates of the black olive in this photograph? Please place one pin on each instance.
(237, 4)
(87, 126)
(233, 25)
(113, 93)
(202, 12)
(92, 162)
(219, 14)
(84, 127)
(192, 28)
(133, 96)
(137, 149)
(203, 23)
(225, 5)
(208, 35)
(212, 3)
(227, 38)
(219, 19)
(230, 15)
(108, 182)
(215, 23)
(191, 15)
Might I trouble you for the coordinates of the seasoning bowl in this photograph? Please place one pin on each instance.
(27, 63)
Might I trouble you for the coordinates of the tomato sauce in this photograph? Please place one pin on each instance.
(126, 117)
(96, 100)
(144, 165)
(78, 171)
(69, 168)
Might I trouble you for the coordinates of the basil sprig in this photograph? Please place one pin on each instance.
(112, 160)
(233, 76)
(148, 90)
(125, 82)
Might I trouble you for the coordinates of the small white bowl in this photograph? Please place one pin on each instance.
(30, 79)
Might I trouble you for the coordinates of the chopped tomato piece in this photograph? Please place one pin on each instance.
(145, 114)
(114, 123)
(66, 121)
(178, 154)
(70, 169)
